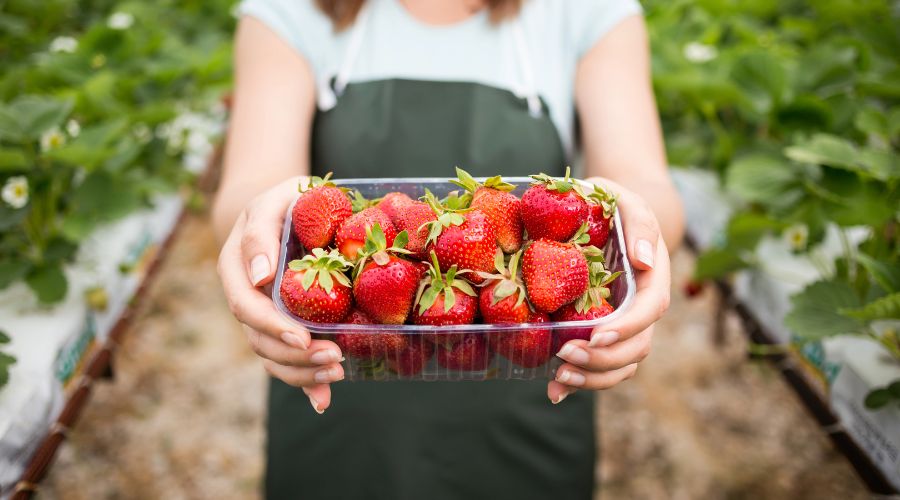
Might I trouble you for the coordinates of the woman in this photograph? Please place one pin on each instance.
(394, 88)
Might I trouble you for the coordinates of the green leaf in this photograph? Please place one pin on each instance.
(746, 229)
(825, 149)
(48, 282)
(717, 262)
(37, 114)
(4, 337)
(761, 178)
(886, 274)
(401, 239)
(878, 398)
(12, 159)
(887, 307)
(12, 270)
(762, 77)
(815, 314)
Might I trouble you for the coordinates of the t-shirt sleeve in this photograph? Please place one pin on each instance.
(298, 22)
(590, 20)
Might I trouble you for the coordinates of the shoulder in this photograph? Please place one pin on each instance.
(298, 22)
(577, 24)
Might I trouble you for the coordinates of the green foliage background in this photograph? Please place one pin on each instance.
(795, 105)
(123, 88)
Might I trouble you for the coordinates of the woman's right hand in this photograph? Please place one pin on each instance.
(248, 262)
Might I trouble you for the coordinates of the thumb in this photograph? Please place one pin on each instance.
(641, 230)
(261, 238)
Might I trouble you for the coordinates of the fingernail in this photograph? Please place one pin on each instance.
(574, 354)
(315, 405)
(562, 396)
(645, 252)
(569, 377)
(294, 340)
(601, 339)
(324, 356)
(259, 268)
(326, 375)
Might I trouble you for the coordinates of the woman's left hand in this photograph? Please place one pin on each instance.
(614, 350)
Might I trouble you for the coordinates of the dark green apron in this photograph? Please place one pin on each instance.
(431, 440)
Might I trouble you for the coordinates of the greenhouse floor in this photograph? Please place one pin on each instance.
(699, 421)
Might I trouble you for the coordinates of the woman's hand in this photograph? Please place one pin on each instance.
(614, 350)
(248, 262)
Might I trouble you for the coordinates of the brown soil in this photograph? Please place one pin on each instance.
(183, 418)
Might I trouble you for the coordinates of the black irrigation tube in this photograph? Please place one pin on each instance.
(819, 408)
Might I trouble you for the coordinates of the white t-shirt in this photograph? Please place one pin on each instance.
(395, 44)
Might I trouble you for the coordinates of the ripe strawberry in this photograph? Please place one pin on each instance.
(466, 240)
(552, 208)
(385, 286)
(316, 288)
(412, 359)
(502, 299)
(412, 219)
(602, 205)
(351, 236)
(693, 288)
(393, 204)
(554, 273)
(318, 213)
(469, 354)
(500, 206)
(368, 344)
(528, 347)
(591, 305)
(437, 303)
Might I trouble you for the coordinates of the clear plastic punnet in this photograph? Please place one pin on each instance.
(422, 358)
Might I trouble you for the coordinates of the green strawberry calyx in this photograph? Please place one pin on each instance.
(358, 202)
(581, 236)
(601, 196)
(599, 280)
(508, 278)
(328, 267)
(470, 184)
(563, 185)
(448, 214)
(435, 283)
(377, 249)
(316, 181)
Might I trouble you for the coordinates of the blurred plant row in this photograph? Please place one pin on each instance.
(795, 105)
(101, 105)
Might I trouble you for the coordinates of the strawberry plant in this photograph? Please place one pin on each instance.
(102, 104)
(795, 105)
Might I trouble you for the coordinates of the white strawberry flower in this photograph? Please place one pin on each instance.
(796, 237)
(15, 191)
(120, 21)
(73, 128)
(52, 139)
(697, 52)
(64, 44)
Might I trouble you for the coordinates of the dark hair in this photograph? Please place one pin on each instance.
(343, 12)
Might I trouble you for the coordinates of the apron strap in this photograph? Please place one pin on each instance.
(327, 95)
(530, 88)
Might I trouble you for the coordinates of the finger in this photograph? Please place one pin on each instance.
(261, 238)
(604, 359)
(319, 397)
(641, 229)
(572, 376)
(558, 392)
(305, 376)
(320, 352)
(250, 305)
(649, 304)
